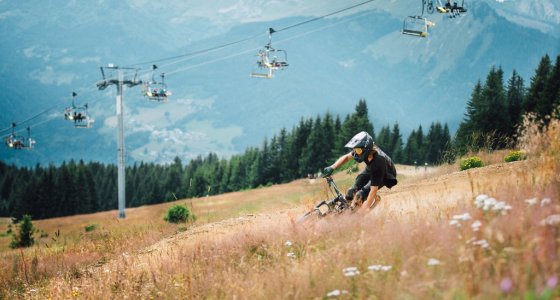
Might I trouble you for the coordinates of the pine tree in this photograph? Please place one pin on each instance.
(515, 95)
(383, 140)
(552, 87)
(24, 238)
(535, 100)
(396, 148)
(495, 117)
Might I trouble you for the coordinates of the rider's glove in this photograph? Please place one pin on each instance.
(328, 171)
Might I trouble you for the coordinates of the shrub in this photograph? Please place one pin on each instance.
(25, 236)
(470, 162)
(178, 214)
(90, 227)
(514, 156)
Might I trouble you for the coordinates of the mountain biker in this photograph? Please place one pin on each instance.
(380, 170)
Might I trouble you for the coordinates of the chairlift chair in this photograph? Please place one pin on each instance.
(19, 142)
(454, 9)
(415, 26)
(270, 59)
(156, 91)
(78, 114)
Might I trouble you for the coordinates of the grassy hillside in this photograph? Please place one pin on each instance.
(429, 238)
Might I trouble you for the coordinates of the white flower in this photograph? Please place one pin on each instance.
(476, 225)
(482, 243)
(551, 220)
(374, 267)
(336, 293)
(545, 201)
(455, 223)
(288, 243)
(531, 201)
(433, 262)
(379, 268)
(479, 200)
(464, 217)
(350, 271)
(291, 255)
(487, 203)
(386, 268)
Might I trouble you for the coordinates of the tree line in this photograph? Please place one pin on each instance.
(495, 111)
(78, 187)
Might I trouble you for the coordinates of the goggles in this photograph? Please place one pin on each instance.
(358, 151)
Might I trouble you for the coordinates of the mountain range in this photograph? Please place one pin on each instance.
(50, 50)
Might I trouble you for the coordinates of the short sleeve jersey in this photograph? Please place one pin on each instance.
(382, 170)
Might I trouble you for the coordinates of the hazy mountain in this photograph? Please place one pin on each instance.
(49, 50)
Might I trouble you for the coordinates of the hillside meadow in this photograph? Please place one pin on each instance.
(485, 233)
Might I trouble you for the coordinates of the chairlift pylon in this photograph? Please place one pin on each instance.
(156, 91)
(270, 59)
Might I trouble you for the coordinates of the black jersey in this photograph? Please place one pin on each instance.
(382, 170)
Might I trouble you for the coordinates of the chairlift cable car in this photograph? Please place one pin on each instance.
(78, 114)
(270, 59)
(156, 91)
(417, 25)
(18, 142)
(452, 9)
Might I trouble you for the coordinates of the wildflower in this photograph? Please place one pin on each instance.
(545, 201)
(551, 220)
(288, 243)
(476, 225)
(291, 255)
(479, 200)
(336, 293)
(350, 271)
(455, 223)
(531, 201)
(379, 268)
(552, 282)
(506, 285)
(433, 262)
(487, 203)
(463, 217)
(482, 243)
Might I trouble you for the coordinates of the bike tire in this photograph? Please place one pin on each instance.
(315, 213)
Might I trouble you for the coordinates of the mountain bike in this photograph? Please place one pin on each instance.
(335, 205)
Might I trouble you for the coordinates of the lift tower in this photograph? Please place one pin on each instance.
(119, 81)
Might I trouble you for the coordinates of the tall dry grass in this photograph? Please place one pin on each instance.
(437, 249)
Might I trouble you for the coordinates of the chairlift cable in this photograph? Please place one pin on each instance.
(324, 16)
(254, 49)
(203, 51)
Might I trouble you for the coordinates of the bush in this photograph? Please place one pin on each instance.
(178, 214)
(25, 236)
(470, 162)
(514, 156)
(90, 227)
